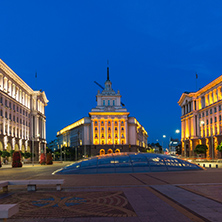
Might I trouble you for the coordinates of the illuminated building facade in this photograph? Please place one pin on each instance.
(201, 119)
(22, 114)
(108, 127)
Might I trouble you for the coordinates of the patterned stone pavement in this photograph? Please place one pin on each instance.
(70, 204)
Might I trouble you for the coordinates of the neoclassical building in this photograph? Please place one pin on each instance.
(108, 127)
(22, 114)
(201, 119)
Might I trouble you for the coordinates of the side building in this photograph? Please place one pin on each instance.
(201, 119)
(22, 114)
(109, 128)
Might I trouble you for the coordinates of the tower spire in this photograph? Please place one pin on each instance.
(107, 70)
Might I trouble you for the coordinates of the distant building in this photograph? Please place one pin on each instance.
(201, 119)
(22, 114)
(107, 129)
(53, 145)
(173, 144)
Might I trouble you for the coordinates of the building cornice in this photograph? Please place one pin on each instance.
(108, 113)
(200, 91)
(15, 77)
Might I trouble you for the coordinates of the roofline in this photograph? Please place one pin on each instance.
(202, 90)
(14, 76)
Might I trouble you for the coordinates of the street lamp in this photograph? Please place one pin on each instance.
(177, 131)
(164, 136)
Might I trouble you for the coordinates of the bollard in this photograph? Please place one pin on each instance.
(210, 165)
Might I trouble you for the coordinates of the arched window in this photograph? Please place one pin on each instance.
(109, 129)
(95, 128)
(115, 128)
(122, 128)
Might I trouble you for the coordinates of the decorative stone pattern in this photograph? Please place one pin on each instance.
(71, 204)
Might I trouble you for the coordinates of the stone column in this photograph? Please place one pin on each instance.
(126, 132)
(5, 84)
(9, 87)
(119, 132)
(99, 131)
(106, 134)
(92, 131)
(1, 81)
(112, 132)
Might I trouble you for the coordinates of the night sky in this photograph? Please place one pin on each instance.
(154, 48)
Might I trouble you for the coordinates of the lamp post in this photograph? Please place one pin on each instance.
(33, 150)
(164, 136)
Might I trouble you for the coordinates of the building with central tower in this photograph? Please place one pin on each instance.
(109, 128)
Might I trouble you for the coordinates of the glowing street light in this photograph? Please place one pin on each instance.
(177, 131)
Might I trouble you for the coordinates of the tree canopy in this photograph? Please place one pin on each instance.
(201, 148)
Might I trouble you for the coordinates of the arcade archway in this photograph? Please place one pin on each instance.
(102, 152)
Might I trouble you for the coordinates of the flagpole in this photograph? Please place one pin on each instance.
(196, 81)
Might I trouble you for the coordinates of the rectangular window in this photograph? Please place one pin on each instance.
(108, 103)
(207, 113)
(215, 109)
(199, 115)
(215, 119)
(203, 114)
(211, 120)
(104, 102)
(207, 122)
(114, 102)
(219, 117)
(210, 111)
(219, 107)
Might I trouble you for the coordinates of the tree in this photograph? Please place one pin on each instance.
(27, 155)
(201, 148)
(219, 148)
(5, 154)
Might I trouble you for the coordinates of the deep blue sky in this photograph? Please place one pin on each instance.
(154, 50)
